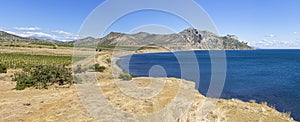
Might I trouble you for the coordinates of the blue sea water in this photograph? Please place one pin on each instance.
(271, 76)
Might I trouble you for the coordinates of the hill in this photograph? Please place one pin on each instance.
(4, 36)
(187, 39)
(190, 37)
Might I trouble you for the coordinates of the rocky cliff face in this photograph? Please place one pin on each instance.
(208, 40)
(189, 38)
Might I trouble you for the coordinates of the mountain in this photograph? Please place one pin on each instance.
(4, 36)
(186, 39)
(39, 37)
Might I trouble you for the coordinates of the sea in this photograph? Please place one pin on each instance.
(271, 76)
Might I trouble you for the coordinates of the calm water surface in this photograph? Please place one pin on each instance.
(262, 75)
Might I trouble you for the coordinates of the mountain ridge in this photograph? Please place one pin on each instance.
(186, 39)
(9, 37)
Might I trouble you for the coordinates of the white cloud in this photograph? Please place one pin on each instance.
(296, 32)
(65, 36)
(34, 33)
(265, 43)
(10, 32)
(39, 35)
(27, 28)
(270, 36)
(3, 28)
(61, 32)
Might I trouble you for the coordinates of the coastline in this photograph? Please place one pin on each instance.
(63, 104)
(263, 107)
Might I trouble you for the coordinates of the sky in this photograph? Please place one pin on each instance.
(262, 23)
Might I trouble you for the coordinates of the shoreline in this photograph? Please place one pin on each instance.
(232, 99)
(60, 104)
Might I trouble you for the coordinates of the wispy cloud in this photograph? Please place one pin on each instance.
(39, 35)
(11, 32)
(270, 36)
(27, 28)
(65, 36)
(61, 32)
(265, 43)
(3, 28)
(296, 32)
(35, 32)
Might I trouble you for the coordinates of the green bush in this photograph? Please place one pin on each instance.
(125, 76)
(99, 68)
(3, 69)
(66, 45)
(23, 81)
(43, 76)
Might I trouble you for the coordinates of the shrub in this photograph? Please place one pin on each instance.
(43, 76)
(23, 81)
(98, 50)
(125, 76)
(108, 60)
(3, 69)
(99, 68)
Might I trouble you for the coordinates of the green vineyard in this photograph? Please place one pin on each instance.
(27, 61)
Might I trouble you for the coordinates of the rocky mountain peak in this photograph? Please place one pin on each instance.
(114, 34)
(141, 34)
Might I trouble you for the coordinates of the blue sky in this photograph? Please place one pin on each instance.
(263, 23)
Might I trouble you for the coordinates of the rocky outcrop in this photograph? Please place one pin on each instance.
(208, 40)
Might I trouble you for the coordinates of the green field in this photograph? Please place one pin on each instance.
(27, 61)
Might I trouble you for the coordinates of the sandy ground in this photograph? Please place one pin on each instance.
(55, 104)
(64, 104)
